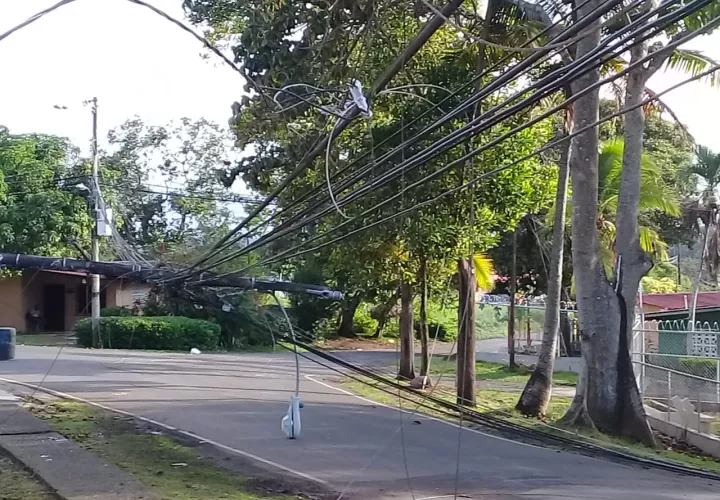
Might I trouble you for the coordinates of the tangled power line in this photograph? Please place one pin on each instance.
(341, 191)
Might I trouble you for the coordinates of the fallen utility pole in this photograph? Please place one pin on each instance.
(117, 270)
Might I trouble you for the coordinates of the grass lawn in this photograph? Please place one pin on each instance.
(485, 370)
(173, 470)
(501, 402)
(18, 484)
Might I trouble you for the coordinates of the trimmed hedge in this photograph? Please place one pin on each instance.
(172, 333)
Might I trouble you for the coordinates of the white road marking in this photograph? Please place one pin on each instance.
(171, 428)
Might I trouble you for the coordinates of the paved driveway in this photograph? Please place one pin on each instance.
(238, 400)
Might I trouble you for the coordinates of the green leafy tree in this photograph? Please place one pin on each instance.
(40, 211)
(328, 45)
(162, 182)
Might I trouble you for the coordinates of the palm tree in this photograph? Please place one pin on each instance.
(707, 167)
(655, 195)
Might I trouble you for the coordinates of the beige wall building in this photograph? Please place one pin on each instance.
(61, 297)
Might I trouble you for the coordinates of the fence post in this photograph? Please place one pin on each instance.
(717, 379)
(642, 360)
(669, 393)
(699, 407)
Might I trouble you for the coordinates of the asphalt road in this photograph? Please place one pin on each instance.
(239, 400)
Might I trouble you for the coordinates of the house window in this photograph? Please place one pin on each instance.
(82, 299)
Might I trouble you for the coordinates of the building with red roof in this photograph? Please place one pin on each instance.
(660, 302)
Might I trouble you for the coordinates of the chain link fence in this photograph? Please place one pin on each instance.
(678, 371)
(493, 315)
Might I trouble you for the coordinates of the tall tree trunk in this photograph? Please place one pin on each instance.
(466, 333)
(407, 348)
(598, 308)
(634, 262)
(536, 395)
(607, 396)
(347, 318)
(424, 327)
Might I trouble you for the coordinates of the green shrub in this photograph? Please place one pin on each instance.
(244, 325)
(173, 333)
(435, 330)
(363, 323)
(116, 311)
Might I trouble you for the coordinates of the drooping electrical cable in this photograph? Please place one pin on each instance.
(229, 240)
(577, 62)
(292, 336)
(552, 144)
(312, 192)
(427, 31)
(288, 255)
(493, 144)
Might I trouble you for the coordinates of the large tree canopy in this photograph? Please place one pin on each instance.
(164, 185)
(40, 211)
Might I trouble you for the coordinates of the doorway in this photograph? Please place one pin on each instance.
(54, 308)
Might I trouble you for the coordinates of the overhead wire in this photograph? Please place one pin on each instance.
(471, 101)
(285, 182)
(427, 31)
(286, 255)
(549, 77)
(207, 43)
(504, 59)
(499, 424)
(35, 17)
(485, 147)
(176, 194)
(509, 48)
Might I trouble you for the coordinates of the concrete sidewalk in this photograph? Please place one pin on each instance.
(70, 471)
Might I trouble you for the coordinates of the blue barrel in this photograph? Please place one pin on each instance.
(7, 343)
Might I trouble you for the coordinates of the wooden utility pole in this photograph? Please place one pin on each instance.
(466, 334)
(511, 309)
(96, 207)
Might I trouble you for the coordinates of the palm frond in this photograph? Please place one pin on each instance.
(707, 166)
(484, 271)
(651, 243)
(655, 193)
(693, 62)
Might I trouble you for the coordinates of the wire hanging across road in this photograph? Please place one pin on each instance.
(288, 255)
(553, 84)
(497, 83)
(676, 15)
